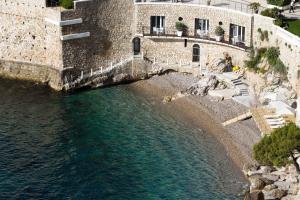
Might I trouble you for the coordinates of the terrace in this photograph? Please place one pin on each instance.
(196, 35)
(238, 5)
(52, 3)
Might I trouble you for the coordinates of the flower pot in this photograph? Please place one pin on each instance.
(219, 38)
(179, 33)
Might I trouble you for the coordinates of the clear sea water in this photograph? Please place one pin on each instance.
(108, 144)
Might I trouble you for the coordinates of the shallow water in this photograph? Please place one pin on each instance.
(104, 144)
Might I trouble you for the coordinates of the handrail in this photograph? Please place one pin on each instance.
(166, 32)
(243, 6)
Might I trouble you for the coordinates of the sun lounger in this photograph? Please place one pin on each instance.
(271, 116)
(276, 120)
(276, 126)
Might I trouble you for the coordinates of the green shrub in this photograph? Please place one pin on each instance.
(219, 31)
(279, 67)
(279, 2)
(271, 12)
(279, 22)
(255, 58)
(68, 4)
(180, 26)
(272, 55)
(276, 148)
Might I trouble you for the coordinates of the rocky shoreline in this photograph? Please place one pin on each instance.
(184, 96)
(268, 183)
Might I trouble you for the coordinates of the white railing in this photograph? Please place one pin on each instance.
(96, 72)
(287, 36)
(239, 5)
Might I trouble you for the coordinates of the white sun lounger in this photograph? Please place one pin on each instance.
(276, 126)
(271, 116)
(275, 120)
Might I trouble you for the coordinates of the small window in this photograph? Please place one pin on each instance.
(196, 53)
(237, 33)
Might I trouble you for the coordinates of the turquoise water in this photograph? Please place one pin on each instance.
(104, 144)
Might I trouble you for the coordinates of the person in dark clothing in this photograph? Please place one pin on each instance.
(292, 4)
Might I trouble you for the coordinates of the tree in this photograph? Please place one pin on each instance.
(277, 148)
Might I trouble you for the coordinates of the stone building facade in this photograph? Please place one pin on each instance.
(54, 45)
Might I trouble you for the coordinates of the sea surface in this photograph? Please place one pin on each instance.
(108, 144)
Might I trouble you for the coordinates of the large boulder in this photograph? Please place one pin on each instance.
(271, 177)
(274, 194)
(255, 195)
(202, 87)
(257, 183)
(121, 78)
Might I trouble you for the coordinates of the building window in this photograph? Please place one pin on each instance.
(237, 33)
(157, 24)
(136, 43)
(196, 53)
(201, 27)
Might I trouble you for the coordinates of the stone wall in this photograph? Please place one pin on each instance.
(288, 44)
(189, 12)
(32, 72)
(25, 37)
(110, 23)
(174, 49)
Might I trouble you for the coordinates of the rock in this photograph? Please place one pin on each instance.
(274, 194)
(256, 183)
(156, 69)
(167, 99)
(270, 187)
(271, 177)
(294, 189)
(202, 87)
(273, 79)
(267, 181)
(291, 178)
(255, 195)
(266, 169)
(278, 193)
(121, 78)
(253, 173)
(283, 185)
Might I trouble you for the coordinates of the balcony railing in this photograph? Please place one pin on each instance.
(52, 3)
(196, 34)
(239, 5)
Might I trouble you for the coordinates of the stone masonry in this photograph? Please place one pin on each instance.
(33, 43)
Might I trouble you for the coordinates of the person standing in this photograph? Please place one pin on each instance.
(292, 6)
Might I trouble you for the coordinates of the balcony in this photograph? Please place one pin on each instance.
(196, 35)
(52, 3)
(238, 5)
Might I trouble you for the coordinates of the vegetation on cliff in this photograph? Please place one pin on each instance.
(266, 59)
(68, 4)
(279, 148)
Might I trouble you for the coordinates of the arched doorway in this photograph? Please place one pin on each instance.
(196, 53)
(136, 44)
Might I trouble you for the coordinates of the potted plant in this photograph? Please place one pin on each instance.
(254, 6)
(180, 27)
(219, 32)
(208, 2)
